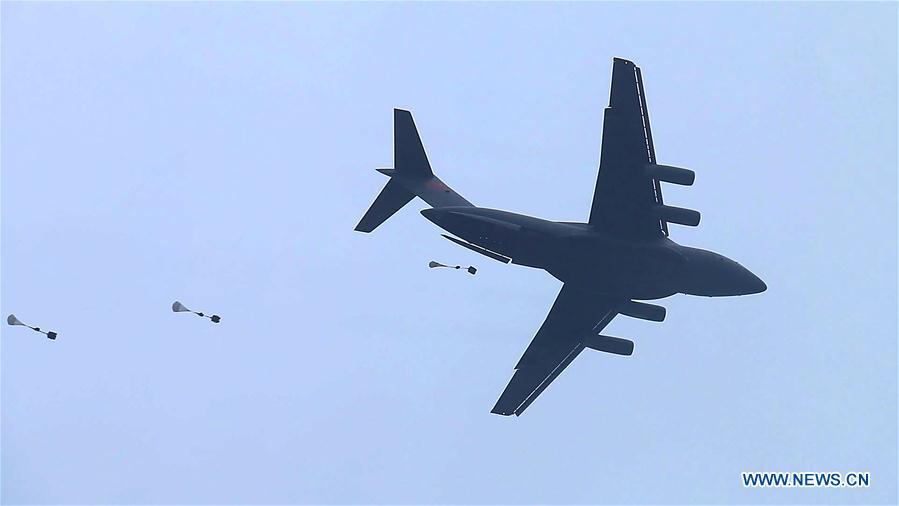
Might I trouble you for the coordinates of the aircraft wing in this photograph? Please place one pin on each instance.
(624, 194)
(574, 315)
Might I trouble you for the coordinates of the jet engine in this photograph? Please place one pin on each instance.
(679, 215)
(671, 174)
(609, 344)
(643, 311)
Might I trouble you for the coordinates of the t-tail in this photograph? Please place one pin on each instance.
(410, 176)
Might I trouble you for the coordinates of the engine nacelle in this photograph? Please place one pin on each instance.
(643, 311)
(609, 344)
(678, 215)
(671, 174)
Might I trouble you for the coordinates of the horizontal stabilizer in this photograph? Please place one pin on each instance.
(390, 200)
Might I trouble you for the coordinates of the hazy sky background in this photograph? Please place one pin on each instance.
(220, 154)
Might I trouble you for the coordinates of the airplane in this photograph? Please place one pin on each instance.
(622, 255)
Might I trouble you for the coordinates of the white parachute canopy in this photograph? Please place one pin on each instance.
(179, 307)
(12, 320)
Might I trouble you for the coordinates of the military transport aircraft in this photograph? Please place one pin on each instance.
(621, 255)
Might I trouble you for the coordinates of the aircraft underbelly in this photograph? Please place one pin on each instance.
(607, 265)
(524, 246)
(634, 271)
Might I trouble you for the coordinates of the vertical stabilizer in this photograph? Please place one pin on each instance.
(409, 157)
(410, 176)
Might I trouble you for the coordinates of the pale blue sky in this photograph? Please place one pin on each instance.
(221, 154)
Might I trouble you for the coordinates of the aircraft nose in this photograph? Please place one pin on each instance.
(754, 284)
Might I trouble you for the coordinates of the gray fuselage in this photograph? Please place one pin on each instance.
(594, 260)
